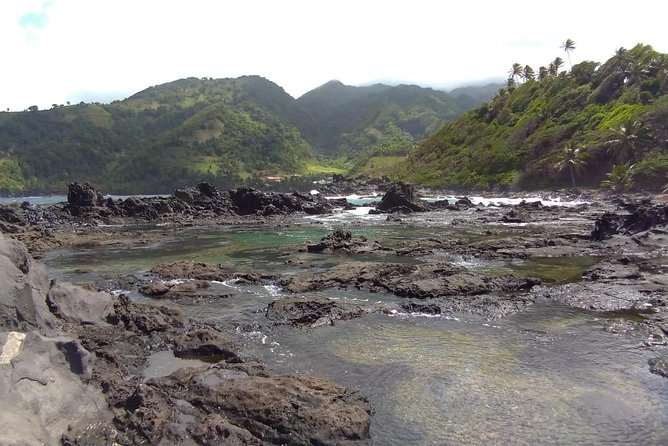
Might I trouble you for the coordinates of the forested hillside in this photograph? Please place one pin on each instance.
(590, 125)
(378, 124)
(221, 130)
(160, 138)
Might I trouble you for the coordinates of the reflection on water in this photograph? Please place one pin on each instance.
(549, 375)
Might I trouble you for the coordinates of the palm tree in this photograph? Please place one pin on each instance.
(635, 72)
(628, 140)
(621, 57)
(510, 83)
(568, 46)
(528, 73)
(552, 69)
(558, 63)
(573, 159)
(516, 71)
(620, 177)
(542, 73)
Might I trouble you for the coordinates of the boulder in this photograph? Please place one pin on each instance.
(43, 391)
(205, 344)
(303, 311)
(83, 195)
(401, 196)
(78, 305)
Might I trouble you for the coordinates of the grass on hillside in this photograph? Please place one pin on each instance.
(378, 166)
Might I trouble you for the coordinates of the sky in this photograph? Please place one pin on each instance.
(54, 51)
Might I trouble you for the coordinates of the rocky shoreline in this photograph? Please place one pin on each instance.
(98, 344)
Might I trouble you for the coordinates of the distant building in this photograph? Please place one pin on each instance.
(274, 178)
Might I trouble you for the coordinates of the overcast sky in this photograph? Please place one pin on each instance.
(71, 50)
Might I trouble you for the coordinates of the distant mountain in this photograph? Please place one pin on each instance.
(478, 93)
(595, 123)
(168, 135)
(357, 124)
(220, 130)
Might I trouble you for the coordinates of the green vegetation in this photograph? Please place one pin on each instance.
(614, 113)
(353, 125)
(226, 131)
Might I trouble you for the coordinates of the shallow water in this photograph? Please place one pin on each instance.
(549, 375)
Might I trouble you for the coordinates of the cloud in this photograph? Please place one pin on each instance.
(118, 46)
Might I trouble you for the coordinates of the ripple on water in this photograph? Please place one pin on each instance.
(435, 381)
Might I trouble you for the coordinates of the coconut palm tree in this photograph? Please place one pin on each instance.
(558, 63)
(573, 159)
(568, 46)
(635, 72)
(620, 178)
(621, 58)
(528, 73)
(516, 71)
(628, 140)
(542, 73)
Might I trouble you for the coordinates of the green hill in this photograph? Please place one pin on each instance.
(365, 125)
(591, 124)
(220, 130)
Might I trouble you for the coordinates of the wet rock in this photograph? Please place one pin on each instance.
(216, 429)
(194, 270)
(154, 289)
(275, 409)
(644, 216)
(451, 284)
(144, 318)
(343, 241)
(416, 307)
(606, 226)
(83, 196)
(401, 197)
(612, 271)
(659, 365)
(464, 203)
(515, 216)
(303, 311)
(10, 215)
(205, 344)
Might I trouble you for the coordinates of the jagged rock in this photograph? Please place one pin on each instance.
(194, 270)
(83, 195)
(416, 307)
(659, 365)
(643, 216)
(301, 311)
(205, 343)
(154, 289)
(612, 271)
(401, 197)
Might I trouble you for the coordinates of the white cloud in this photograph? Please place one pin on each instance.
(120, 47)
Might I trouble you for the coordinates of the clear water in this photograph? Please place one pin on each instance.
(549, 375)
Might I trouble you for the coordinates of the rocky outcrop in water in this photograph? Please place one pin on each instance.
(401, 198)
(303, 311)
(643, 216)
(71, 372)
(343, 241)
(454, 286)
